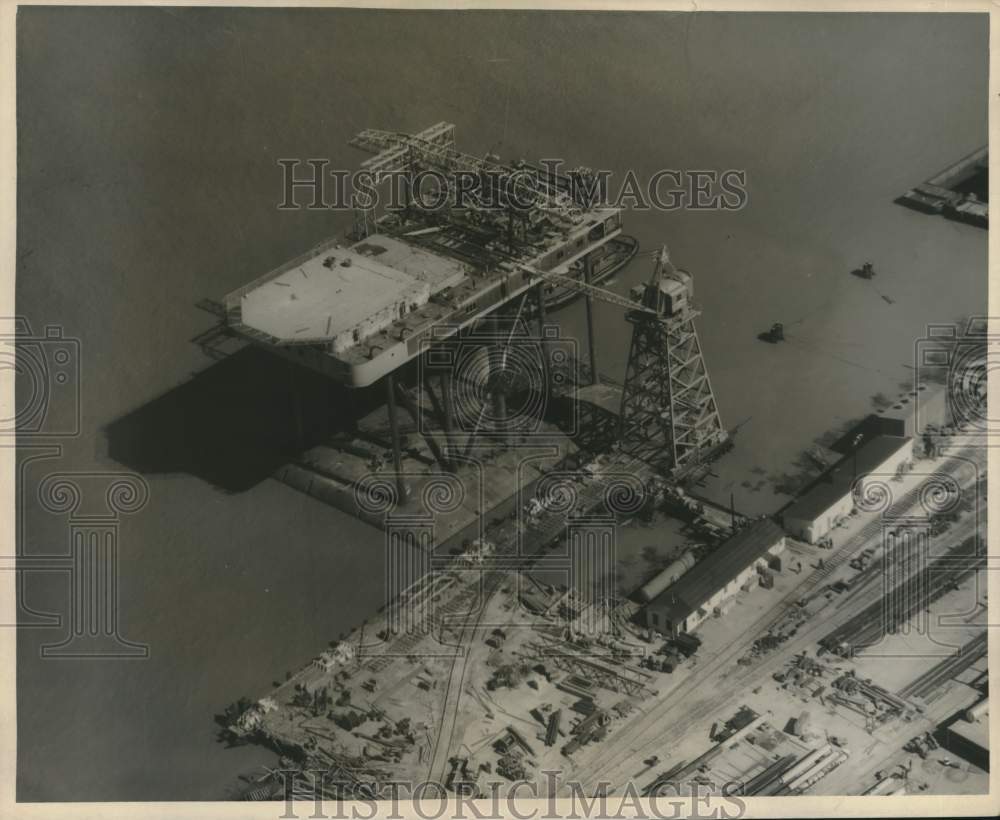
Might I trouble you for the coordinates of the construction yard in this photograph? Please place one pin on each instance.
(790, 689)
(752, 652)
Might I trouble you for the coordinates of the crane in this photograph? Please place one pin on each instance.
(585, 289)
(500, 385)
(663, 266)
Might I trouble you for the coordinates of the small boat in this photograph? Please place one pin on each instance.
(866, 271)
(774, 335)
(608, 260)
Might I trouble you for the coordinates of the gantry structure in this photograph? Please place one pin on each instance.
(669, 417)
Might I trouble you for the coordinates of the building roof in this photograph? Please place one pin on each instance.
(838, 481)
(716, 570)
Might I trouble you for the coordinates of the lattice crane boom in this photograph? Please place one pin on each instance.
(586, 289)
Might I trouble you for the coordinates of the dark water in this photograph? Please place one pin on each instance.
(148, 142)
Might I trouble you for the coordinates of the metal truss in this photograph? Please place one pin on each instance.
(669, 415)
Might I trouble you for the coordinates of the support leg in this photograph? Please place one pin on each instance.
(296, 408)
(447, 400)
(546, 376)
(496, 373)
(390, 392)
(588, 273)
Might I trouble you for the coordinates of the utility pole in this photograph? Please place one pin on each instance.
(854, 446)
(546, 376)
(588, 273)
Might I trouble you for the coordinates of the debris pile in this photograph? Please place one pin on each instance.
(592, 729)
(804, 677)
(515, 755)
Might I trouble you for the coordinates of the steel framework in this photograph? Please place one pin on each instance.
(617, 678)
(539, 200)
(669, 416)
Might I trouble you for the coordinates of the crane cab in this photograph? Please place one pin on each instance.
(670, 291)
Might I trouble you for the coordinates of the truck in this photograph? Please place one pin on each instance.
(862, 560)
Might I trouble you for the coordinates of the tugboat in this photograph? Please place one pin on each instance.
(866, 271)
(608, 260)
(774, 335)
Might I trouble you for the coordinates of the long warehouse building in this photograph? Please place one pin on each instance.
(705, 588)
(830, 499)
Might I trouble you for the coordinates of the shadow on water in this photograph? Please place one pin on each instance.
(235, 422)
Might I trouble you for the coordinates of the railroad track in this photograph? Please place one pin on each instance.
(867, 533)
(506, 538)
(947, 669)
(903, 601)
(648, 729)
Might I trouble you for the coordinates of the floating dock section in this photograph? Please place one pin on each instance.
(960, 191)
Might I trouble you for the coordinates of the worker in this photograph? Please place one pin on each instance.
(868, 270)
